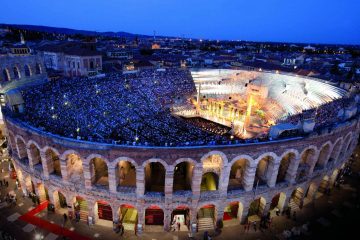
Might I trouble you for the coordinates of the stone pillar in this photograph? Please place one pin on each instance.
(249, 178)
(70, 203)
(245, 214)
(64, 173)
(91, 209)
(167, 219)
(87, 176)
(141, 215)
(272, 174)
(30, 159)
(313, 163)
(140, 183)
(112, 179)
(115, 212)
(45, 165)
(224, 181)
(196, 181)
(267, 207)
(169, 181)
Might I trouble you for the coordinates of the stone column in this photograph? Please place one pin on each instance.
(245, 214)
(196, 181)
(169, 181)
(249, 178)
(140, 182)
(112, 179)
(91, 209)
(313, 163)
(45, 165)
(224, 181)
(141, 215)
(30, 159)
(64, 173)
(272, 174)
(167, 219)
(87, 176)
(115, 212)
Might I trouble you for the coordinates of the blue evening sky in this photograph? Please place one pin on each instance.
(314, 21)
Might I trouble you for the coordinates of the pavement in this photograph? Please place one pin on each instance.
(333, 216)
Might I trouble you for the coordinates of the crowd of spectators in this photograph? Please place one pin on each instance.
(119, 108)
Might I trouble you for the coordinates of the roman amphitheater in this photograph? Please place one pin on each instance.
(146, 185)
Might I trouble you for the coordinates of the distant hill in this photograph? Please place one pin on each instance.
(70, 31)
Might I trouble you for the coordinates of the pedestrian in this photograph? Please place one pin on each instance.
(178, 226)
(122, 229)
(277, 212)
(1, 183)
(17, 184)
(269, 222)
(206, 236)
(7, 183)
(254, 225)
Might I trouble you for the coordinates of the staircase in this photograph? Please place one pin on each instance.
(206, 219)
(84, 210)
(205, 224)
(293, 205)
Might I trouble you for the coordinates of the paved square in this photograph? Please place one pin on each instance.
(51, 236)
(28, 228)
(13, 217)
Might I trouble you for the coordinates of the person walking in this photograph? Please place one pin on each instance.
(65, 218)
(254, 225)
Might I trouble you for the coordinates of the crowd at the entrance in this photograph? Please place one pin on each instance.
(120, 108)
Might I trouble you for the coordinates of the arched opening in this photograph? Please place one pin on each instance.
(81, 208)
(233, 213)
(59, 200)
(35, 157)
(206, 217)
(213, 163)
(263, 174)
(128, 216)
(154, 215)
(38, 69)
(296, 198)
(53, 162)
(305, 164)
(237, 175)
(27, 70)
(256, 209)
(22, 153)
(324, 185)
(284, 167)
(103, 213)
(42, 192)
(154, 177)
(335, 151)
(125, 176)
(99, 173)
(209, 182)
(323, 157)
(74, 169)
(310, 193)
(277, 204)
(6, 75)
(180, 217)
(183, 176)
(16, 73)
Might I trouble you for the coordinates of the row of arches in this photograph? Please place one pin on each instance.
(16, 71)
(206, 215)
(243, 174)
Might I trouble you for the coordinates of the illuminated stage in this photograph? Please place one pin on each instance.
(251, 102)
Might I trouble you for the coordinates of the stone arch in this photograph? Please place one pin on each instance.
(16, 72)
(12, 142)
(154, 215)
(308, 157)
(257, 207)
(21, 147)
(6, 75)
(155, 171)
(311, 192)
(214, 161)
(206, 215)
(233, 210)
(125, 173)
(287, 162)
(346, 144)
(81, 207)
(74, 166)
(183, 174)
(52, 160)
(27, 70)
(59, 199)
(209, 182)
(99, 172)
(264, 169)
(336, 150)
(277, 203)
(128, 216)
(324, 184)
(103, 210)
(35, 155)
(29, 184)
(38, 69)
(239, 172)
(324, 155)
(334, 177)
(181, 215)
(43, 193)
